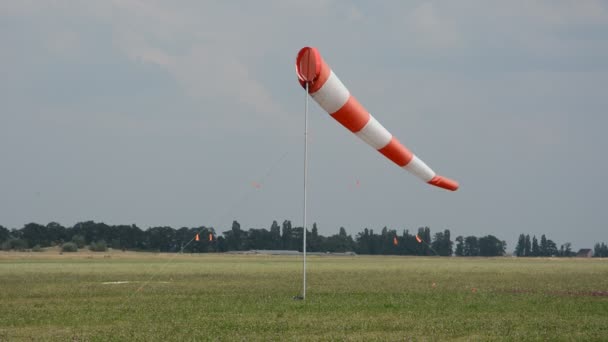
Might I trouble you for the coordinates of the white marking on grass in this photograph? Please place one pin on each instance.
(128, 282)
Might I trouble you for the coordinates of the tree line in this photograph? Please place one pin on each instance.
(100, 236)
(531, 248)
(600, 250)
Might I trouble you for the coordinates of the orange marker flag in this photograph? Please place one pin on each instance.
(210, 237)
(196, 238)
(418, 239)
(395, 241)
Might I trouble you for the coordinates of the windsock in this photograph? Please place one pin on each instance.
(329, 92)
(196, 238)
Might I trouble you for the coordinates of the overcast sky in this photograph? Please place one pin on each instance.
(189, 113)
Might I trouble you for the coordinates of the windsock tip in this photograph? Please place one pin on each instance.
(444, 182)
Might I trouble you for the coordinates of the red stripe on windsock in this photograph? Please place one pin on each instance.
(396, 152)
(352, 115)
(444, 182)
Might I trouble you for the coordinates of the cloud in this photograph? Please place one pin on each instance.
(430, 29)
(207, 66)
(469, 85)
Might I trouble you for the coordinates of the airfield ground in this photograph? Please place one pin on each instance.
(130, 296)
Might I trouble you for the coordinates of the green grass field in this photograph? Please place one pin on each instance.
(47, 296)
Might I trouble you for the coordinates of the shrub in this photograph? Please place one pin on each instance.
(69, 247)
(37, 248)
(98, 246)
(78, 240)
(15, 244)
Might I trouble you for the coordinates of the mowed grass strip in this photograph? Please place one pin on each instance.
(232, 297)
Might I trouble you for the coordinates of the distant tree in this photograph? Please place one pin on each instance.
(79, 240)
(56, 233)
(490, 246)
(392, 248)
(528, 246)
(364, 242)
(447, 245)
(258, 239)
(133, 237)
(69, 247)
(427, 239)
(203, 245)
(222, 245)
(521, 246)
(115, 244)
(4, 234)
(459, 246)
(535, 247)
(183, 237)
(544, 247)
(314, 242)
(600, 250)
(275, 235)
(287, 236)
(14, 244)
(92, 231)
(597, 250)
(297, 238)
(162, 239)
(471, 246)
(341, 242)
(437, 242)
(408, 243)
(565, 250)
(423, 248)
(236, 241)
(382, 242)
(98, 246)
(442, 243)
(551, 248)
(35, 234)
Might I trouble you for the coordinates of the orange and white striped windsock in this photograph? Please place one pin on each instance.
(329, 92)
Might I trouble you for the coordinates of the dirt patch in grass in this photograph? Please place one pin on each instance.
(561, 293)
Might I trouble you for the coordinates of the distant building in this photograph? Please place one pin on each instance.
(584, 253)
(290, 252)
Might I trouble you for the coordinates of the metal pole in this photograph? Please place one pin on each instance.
(305, 181)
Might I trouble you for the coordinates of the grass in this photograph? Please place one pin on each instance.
(47, 296)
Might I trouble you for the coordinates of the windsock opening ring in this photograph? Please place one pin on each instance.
(311, 69)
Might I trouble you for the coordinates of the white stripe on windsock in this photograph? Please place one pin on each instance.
(420, 169)
(374, 134)
(332, 95)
